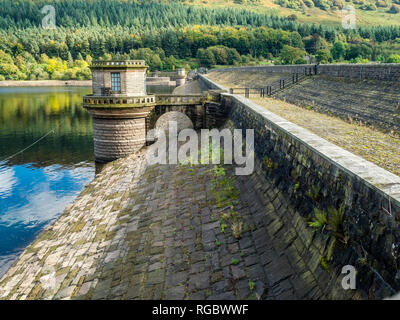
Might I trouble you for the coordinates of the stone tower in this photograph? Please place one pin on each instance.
(181, 77)
(119, 106)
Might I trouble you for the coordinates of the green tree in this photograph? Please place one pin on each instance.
(206, 57)
(290, 54)
(338, 51)
(323, 56)
(393, 58)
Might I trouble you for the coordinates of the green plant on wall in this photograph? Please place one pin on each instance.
(330, 221)
(335, 221)
(226, 195)
(268, 162)
(324, 263)
(313, 193)
(236, 227)
(320, 219)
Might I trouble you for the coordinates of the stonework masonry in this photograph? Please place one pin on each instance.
(115, 138)
(134, 77)
(155, 232)
(313, 173)
(384, 71)
(119, 109)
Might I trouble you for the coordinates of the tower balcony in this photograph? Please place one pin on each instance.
(106, 102)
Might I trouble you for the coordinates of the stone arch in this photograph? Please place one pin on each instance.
(194, 112)
(182, 121)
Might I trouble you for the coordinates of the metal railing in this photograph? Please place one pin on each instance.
(276, 86)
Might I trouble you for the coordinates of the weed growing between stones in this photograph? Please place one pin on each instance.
(237, 228)
(252, 285)
(224, 191)
(313, 193)
(330, 221)
(269, 163)
(320, 219)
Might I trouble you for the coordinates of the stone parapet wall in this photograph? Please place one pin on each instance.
(174, 99)
(312, 173)
(384, 71)
(208, 84)
(158, 81)
(387, 71)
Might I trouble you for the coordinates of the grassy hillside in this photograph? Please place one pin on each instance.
(368, 12)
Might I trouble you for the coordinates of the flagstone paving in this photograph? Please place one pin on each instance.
(156, 232)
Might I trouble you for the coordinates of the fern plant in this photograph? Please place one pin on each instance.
(320, 219)
(313, 193)
(335, 221)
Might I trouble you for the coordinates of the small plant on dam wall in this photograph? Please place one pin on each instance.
(330, 223)
(225, 193)
(268, 162)
(314, 192)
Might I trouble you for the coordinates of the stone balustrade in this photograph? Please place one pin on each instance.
(119, 63)
(92, 101)
(170, 99)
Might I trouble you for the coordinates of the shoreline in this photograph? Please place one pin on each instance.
(45, 83)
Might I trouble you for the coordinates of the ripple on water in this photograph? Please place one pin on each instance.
(7, 180)
(31, 198)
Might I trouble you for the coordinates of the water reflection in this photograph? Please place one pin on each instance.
(26, 114)
(36, 185)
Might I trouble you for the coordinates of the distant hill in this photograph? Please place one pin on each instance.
(329, 12)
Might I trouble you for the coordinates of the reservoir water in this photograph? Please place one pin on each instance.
(38, 183)
(55, 134)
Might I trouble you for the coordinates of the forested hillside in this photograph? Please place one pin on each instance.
(369, 5)
(328, 12)
(169, 35)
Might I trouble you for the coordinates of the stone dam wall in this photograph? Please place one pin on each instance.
(384, 71)
(373, 102)
(159, 81)
(312, 173)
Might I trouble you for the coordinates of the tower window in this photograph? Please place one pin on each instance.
(115, 81)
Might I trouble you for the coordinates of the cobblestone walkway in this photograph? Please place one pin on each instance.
(139, 232)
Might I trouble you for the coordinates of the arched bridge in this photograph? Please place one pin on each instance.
(121, 124)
